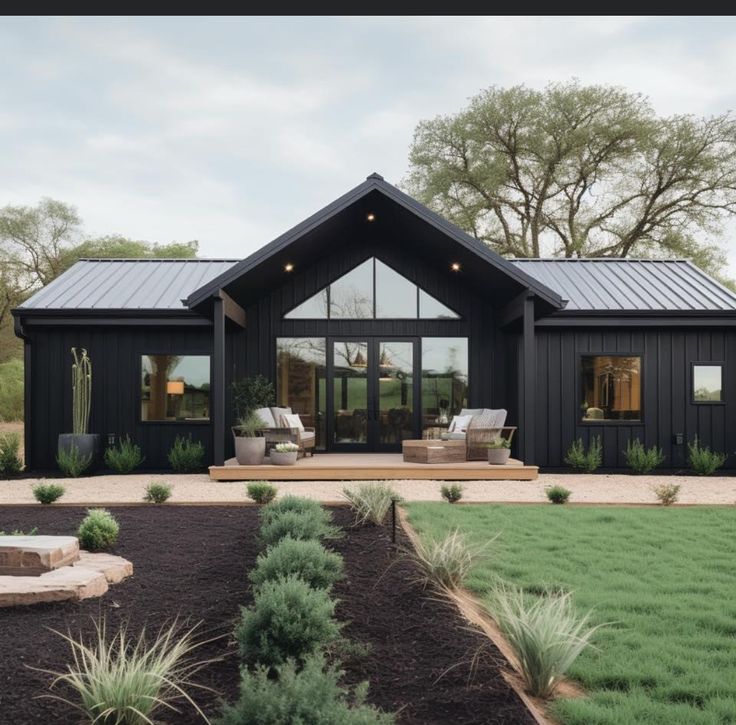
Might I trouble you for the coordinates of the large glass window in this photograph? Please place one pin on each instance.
(175, 388)
(444, 380)
(611, 387)
(300, 380)
(707, 383)
(371, 290)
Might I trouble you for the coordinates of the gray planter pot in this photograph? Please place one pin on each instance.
(498, 456)
(87, 444)
(250, 451)
(288, 458)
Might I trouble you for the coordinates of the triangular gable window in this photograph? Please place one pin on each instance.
(372, 290)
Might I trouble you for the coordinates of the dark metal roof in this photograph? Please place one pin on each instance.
(127, 284)
(376, 183)
(641, 285)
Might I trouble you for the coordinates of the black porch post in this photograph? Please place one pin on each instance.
(529, 383)
(218, 383)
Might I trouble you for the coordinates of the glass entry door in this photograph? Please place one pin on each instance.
(373, 393)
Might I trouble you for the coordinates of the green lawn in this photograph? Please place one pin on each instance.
(667, 577)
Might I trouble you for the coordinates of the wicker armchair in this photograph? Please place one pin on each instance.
(483, 428)
(306, 439)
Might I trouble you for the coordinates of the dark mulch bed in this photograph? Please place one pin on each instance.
(192, 561)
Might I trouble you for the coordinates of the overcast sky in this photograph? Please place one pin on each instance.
(230, 131)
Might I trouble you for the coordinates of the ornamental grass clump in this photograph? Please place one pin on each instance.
(304, 525)
(288, 619)
(47, 492)
(580, 459)
(309, 694)
(452, 493)
(446, 563)
(702, 460)
(546, 634)
(186, 455)
(642, 460)
(124, 457)
(666, 493)
(10, 460)
(308, 560)
(72, 462)
(98, 531)
(261, 492)
(157, 492)
(558, 494)
(121, 680)
(370, 502)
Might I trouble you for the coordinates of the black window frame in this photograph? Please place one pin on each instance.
(139, 419)
(707, 363)
(579, 393)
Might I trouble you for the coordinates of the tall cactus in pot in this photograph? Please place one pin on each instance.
(81, 391)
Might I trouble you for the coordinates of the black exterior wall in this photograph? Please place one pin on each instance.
(667, 357)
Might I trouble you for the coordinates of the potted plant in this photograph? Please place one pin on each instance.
(284, 454)
(80, 444)
(499, 450)
(249, 394)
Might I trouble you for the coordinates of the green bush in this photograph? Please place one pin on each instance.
(261, 491)
(310, 695)
(580, 459)
(72, 462)
(124, 457)
(11, 390)
(452, 493)
(370, 502)
(558, 494)
(642, 460)
(666, 493)
(98, 531)
(291, 504)
(186, 456)
(157, 492)
(702, 460)
(288, 619)
(10, 460)
(298, 525)
(308, 560)
(47, 492)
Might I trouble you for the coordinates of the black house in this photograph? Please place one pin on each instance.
(374, 316)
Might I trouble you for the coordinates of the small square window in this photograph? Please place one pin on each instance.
(175, 388)
(708, 383)
(610, 387)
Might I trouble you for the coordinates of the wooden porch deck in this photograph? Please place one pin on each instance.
(372, 466)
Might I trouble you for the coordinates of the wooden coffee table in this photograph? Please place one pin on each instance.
(428, 451)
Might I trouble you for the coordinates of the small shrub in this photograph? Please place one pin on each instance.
(261, 492)
(47, 492)
(446, 562)
(72, 462)
(98, 531)
(311, 695)
(186, 456)
(580, 459)
(298, 525)
(308, 560)
(124, 681)
(286, 448)
(20, 532)
(452, 493)
(666, 493)
(370, 502)
(642, 460)
(558, 494)
(702, 460)
(10, 460)
(292, 504)
(157, 492)
(124, 457)
(288, 619)
(545, 632)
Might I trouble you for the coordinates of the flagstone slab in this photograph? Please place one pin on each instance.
(115, 568)
(36, 555)
(68, 583)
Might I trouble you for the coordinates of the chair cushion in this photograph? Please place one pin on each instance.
(453, 436)
(471, 411)
(307, 435)
(292, 420)
(277, 412)
(266, 416)
(459, 423)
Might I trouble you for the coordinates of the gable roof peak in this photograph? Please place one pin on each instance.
(375, 175)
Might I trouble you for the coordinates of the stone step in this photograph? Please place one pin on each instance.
(35, 555)
(67, 583)
(115, 568)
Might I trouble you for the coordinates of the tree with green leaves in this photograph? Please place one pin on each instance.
(579, 171)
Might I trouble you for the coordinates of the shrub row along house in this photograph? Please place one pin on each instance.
(378, 320)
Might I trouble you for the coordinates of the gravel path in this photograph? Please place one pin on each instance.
(198, 488)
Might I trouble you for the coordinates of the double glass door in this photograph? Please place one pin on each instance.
(372, 398)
